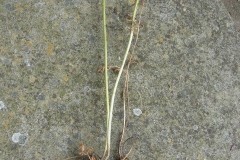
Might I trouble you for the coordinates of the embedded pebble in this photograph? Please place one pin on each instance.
(15, 137)
(2, 105)
(195, 127)
(137, 111)
(19, 138)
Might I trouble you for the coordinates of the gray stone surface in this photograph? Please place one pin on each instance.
(186, 82)
(233, 7)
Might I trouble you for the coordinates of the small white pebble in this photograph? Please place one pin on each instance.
(2, 105)
(27, 62)
(19, 138)
(137, 111)
(15, 137)
(195, 127)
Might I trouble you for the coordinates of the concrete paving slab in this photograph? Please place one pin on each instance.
(186, 82)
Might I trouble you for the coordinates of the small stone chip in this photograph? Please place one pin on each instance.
(2, 105)
(137, 111)
(19, 138)
(195, 127)
(15, 137)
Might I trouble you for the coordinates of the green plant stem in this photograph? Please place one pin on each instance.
(117, 81)
(106, 71)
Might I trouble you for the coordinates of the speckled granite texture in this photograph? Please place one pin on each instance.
(233, 7)
(186, 82)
